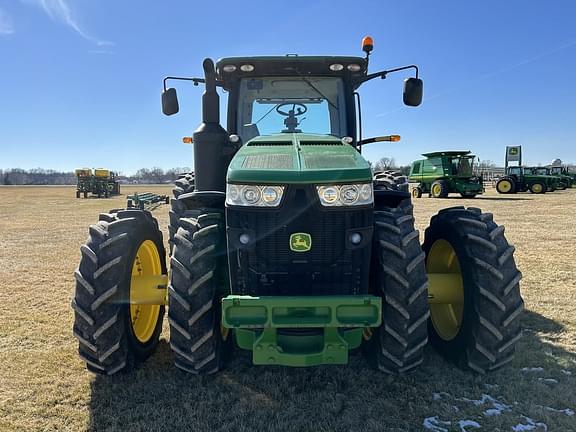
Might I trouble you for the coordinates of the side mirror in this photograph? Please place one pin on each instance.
(170, 102)
(413, 88)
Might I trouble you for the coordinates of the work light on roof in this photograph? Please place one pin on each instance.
(247, 68)
(354, 67)
(229, 68)
(336, 67)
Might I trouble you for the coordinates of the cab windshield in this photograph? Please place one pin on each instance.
(462, 166)
(314, 105)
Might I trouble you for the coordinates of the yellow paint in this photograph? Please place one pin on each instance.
(300, 242)
(504, 186)
(446, 289)
(146, 277)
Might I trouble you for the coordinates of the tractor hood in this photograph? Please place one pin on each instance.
(298, 158)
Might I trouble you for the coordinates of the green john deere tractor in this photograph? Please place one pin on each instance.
(446, 172)
(521, 179)
(282, 245)
(567, 177)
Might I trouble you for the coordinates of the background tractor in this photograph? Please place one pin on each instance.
(567, 179)
(284, 247)
(105, 183)
(442, 173)
(520, 179)
(84, 179)
(555, 180)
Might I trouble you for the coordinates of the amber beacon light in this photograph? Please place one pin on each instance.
(367, 44)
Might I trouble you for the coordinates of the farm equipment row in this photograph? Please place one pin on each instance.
(100, 182)
(537, 180)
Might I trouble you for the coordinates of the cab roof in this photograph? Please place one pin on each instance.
(448, 153)
(290, 64)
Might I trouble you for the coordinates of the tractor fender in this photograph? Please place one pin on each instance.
(389, 198)
(204, 199)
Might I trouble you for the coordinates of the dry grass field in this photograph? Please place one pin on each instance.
(44, 385)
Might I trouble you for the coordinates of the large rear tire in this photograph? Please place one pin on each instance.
(506, 185)
(178, 208)
(474, 293)
(198, 276)
(391, 180)
(399, 277)
(114, 335)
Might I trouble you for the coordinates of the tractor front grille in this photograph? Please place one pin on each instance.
(267, 266)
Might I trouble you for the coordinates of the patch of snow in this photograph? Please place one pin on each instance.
(548, 380)
(439, 396)
(491, 386)
(532, 369)
(566, 372)
(463, 424)
(497, 406)
(455, 408)
(566, 411)
(529, 425)
(435, 424)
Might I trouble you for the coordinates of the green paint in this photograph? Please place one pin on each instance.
(339, 320)
(453, 167)
(298, 158)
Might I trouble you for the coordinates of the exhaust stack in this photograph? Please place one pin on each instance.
(210, 139)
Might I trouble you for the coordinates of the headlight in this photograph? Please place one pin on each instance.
(345, 195)
(253, 195)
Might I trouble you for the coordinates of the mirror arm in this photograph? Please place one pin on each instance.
(195, 81)
(382, 74)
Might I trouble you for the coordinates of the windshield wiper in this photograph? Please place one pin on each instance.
(317, 91)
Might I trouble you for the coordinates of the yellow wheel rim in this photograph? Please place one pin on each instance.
(144, 317)
(504, 186)
(446, 289)
(537, 188)
(436, 190)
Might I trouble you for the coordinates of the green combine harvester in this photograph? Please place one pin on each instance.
(284, 247)
(442, 173)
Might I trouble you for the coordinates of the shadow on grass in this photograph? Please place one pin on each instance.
(243, 397)
(487, 198)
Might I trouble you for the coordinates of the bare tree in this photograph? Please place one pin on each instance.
(384, 163)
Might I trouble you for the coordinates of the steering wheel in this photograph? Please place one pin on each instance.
(293, 112)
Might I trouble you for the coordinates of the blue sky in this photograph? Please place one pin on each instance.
(81, 79)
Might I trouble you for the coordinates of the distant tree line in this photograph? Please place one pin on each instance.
(41, 176)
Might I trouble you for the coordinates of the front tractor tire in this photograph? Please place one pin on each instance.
(198, 263)
(474, 293)
(399, 277)
(417, 192)
(122, 248)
